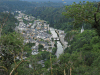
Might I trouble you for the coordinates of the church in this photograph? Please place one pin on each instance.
(82, 29)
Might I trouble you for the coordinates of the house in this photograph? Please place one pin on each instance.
(24, 35)
(33, 26)
(34, 53)
(30, 66)
(20, 20)
(40, 23)
(28, 25)
(29, 31)
(31, 40)
(22, 27)
(35, 22)
(44, 36)
(38, 27)
(45, 22)
(34, 50)
(41, 62)
(48, 39)
(44, 49)
(45, 27)
(35, 36)
(26, 41)
(23, 57)
(45, 44)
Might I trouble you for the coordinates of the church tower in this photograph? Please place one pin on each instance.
(82, 29)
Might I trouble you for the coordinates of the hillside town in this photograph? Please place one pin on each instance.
(34, 31)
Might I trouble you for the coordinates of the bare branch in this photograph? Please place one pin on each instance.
(98, 7)
(96, 14)
(95, 17)
(4, 68)
(16, 67)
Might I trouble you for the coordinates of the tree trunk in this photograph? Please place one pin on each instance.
(0, 31)
(51, 64)
(64, 72)
(70, 70)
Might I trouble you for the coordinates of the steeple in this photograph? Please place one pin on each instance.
(82, 29)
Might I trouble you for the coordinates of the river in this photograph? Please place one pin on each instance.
(59, 46)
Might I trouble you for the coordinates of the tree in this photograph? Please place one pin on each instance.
(11, 46)
(7, 23)
(37, 68)
(84, 13)
(40, 47)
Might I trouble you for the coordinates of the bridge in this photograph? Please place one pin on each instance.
(62, 40)
(56, 38)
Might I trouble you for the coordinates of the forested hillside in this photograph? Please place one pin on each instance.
(83, 51)
(7, 22)
(50, 14)
(9, 5)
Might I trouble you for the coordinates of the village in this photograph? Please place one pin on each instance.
(35, 31)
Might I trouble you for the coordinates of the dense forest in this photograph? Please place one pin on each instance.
(81, 57)
(7, 22)
(24, 5)
(50, 14)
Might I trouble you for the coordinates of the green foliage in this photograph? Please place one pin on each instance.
(64, 24)
(80, 12)
(30, 44)
(49, 32)
(40, 47)
(10, 5)
(54, 50)
(84, 51)
(45, 55)
(36, 68)
(84, 39)
(51, 14)
(55, 44)
(84, 13)
(11, 45)
(26, 22)
(28, 50)
(8, 22)
(47, 63)
(69, 35)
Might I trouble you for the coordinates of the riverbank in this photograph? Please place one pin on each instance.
(61, 38)
(59, 45)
